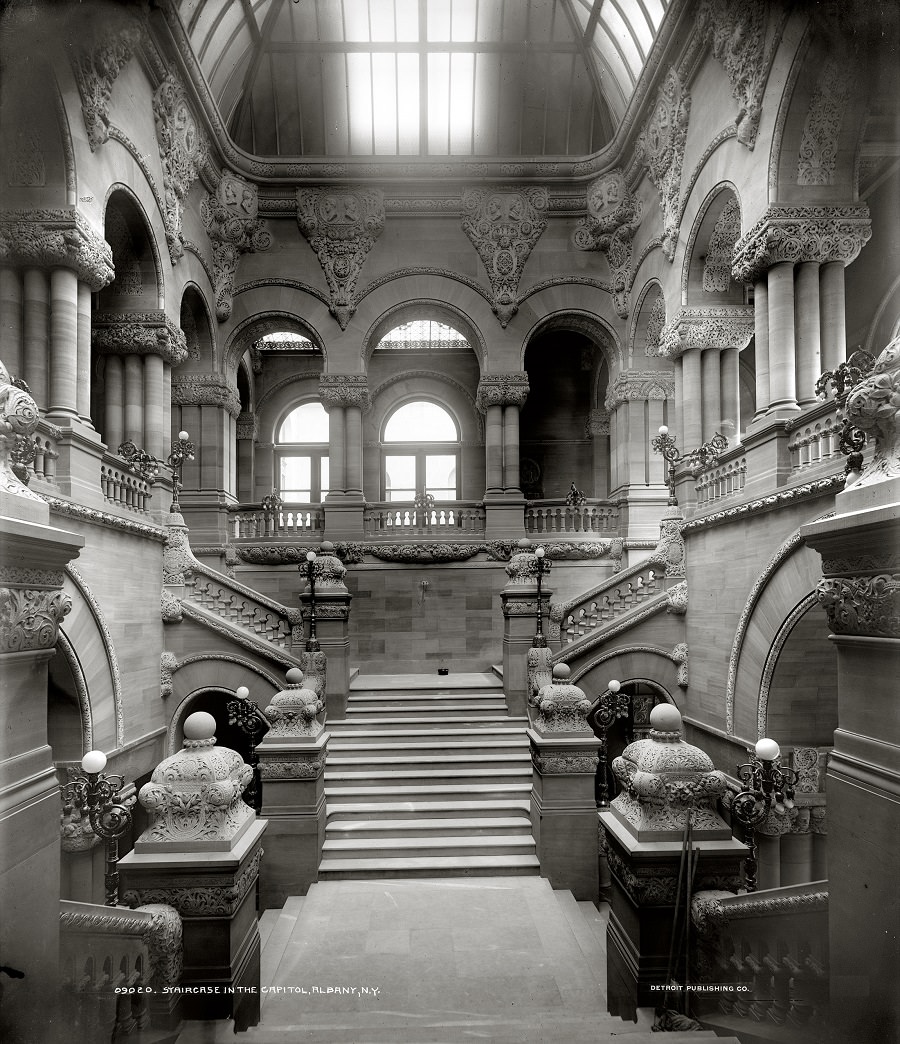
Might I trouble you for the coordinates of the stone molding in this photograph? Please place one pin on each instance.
(340, 390)
(720, 252)
(205, 898)
(862, 605)
(56, 238)
(205, 389)
(640, 386)
(819, 488)
(719, 327)
(231, 221)
(19, 420)
(504, 227)
(817, 157)
(660, 149)
(613, 217)
(139, 333)
(571, 763)
(96, 69)
(183, 150)
(737, 34)
(792, 234)
(502, 389)
(341, 225)
(432, 552)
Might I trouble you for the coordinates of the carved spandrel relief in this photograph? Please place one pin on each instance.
(817, 158)
(342, 226)
(613, 217)
(25, 166)
(96, 69)
(504, 227)
(720, 253)
(655, 324)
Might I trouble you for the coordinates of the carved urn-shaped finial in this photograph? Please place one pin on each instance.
(293, 711)
(522, 568)
(561, 706)
(194, 797)
(662, 779)
(328, 568)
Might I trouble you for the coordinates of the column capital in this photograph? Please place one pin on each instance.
(640, 385)
(205, 389)
(60, 237)
(801, 233)
(345, 389)
(727, 326)
(139, 333)
(502, 389)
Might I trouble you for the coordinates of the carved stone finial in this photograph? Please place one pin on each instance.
(328, 569)
(194, 797)
(522, 567)
(561, 706)
(293, 711)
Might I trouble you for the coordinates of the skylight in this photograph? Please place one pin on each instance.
(422, 335)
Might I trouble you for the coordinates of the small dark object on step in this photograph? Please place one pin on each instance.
(443, 670)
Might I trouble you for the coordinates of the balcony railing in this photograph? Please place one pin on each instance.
(290, 521)
(815, 438)
(391, 521)
(122, 487)
(721, 483)
(556, 516)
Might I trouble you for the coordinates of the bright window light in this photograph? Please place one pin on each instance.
(420, 422)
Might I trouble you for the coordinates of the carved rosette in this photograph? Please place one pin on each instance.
(139, 333)
(640, 386)
(874, 407)
(205, 389)
(613, 217)
(561, 706)
(801, 233)
(96, 69)
(230, 219)
(502, 389)
(660, 148)
(57, 238)
(720, 252)
(293, 711)
(727, 326)
(182, 152)
(340, 390)
(504, 227)
(341, 226)
(737, 34)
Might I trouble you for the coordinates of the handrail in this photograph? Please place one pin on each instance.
(556, 516)
(385, 519)
(254, 521)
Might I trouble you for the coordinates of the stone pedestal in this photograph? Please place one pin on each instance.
(344, 516)
(293, 774)
(504, 516)
(78, 468)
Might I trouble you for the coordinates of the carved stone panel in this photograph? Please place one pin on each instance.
(720, 252)
(56, 238)
(96, 69)
(139, 333)
(818, 146)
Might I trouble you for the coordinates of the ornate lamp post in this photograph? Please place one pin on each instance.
(765, 786)
(244, 713)
(609, 705)
(539, 641)
(312, 643)
(95, 793)
(147, 466)
(699, 459)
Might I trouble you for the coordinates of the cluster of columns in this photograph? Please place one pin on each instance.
(346, 398)
(636, 402)
(795, 258)
(500, 398)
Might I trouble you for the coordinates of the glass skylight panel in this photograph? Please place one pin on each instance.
(384, 103)
(357, 24)
(422, 335)
(439, 22)
(384, 29)
(462, 102)
(462, 21)
(438, 104)
(359, 100)
(408, 104)
(407, 20)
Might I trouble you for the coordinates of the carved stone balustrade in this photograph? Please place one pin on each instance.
(392, 521)
(290, 521)
(555, 516)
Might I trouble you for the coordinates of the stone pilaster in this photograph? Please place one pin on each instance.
(500, 398)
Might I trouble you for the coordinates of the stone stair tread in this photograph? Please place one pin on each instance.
(596, 921)
(407, 825)
(429, 862)
(587, 941)
(344, 730)
(337, 846)
(427, 741)
(279, 937)
(435, 719)
(366, 807)
(334, 775)
(267, 921)
(393, 695)
(457, 707)
(462, 788)
(439, 683)
(350, 757)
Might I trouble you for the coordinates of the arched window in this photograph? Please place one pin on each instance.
(301, 454)
(420, 448)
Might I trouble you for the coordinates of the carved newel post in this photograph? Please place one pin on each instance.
(665, 783)
(201, 854)
(860, 593)
(563, 809)
(292, 765)
(525, 656)
(332, 622)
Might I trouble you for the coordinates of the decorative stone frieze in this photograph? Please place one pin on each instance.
(720, 252)
(873, 406)
(660, 148)
(247, 427)
(655, 323)
(681, 658)
(561, 706)
(640, 386)
(504, 227)
(502, 389)
(340, 390)
(722, 327)
(597, 424)
(230, 219)
(613, 217)
(57, 238)
(737, 34)
(205, 389)
(96, 68)
(658, 885)
(294, 764)
(341, 226)
(194, 798)
(183, 150)
(669, 551)
(293, 711)
(139, 333)
(570, 763)
(801, 233)
(817, 157)
(198, 896)
(862, 605)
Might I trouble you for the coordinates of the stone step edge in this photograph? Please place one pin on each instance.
(334, 775)
(351, 731)
(390, 757)
(462, 788)
(382, 807)
(378, 844)
(427, 862)
(404, 825)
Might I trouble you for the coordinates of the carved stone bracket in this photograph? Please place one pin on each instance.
(660, 148)
(613, 217)
(57, 238)
(183, 150)
(862, 605)
(677, 599)
(801, 233)
(96, 68)
(205, 389)
(502, 389)
(681, 657)
(729, 326)
(340, 390)
(640, 386)
(504, 227)
(139, 333)
(230, 219)
(341, 226)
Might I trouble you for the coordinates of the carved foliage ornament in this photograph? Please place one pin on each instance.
(660, 148)
(230, 218)
(340, 390)
(613, 217)
(139, 333)
(29, 619)
(640, 386)
(19, 417)
(96, 69)
(342, 226)
(720, 253)
(504, 227)
(655, 324)
(502, 389)
(819, 145)
(205, 389)
(720, 328)
(865, 605)
(53, 239)
(25, 165)
(873, 406)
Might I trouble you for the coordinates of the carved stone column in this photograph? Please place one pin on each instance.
(520, 608)
(12, 344)
(346, 397)
(500, 397)
(36, 330)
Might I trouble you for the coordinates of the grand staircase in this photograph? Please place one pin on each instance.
(427, 776)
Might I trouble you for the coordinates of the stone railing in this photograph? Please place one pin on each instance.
(122, 487)
(386, 521)
(771, 947)
(41, 454)
(253, 522)
(727, 480)
(814, 438)
(556, 516)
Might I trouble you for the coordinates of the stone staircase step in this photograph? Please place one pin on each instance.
(348, 758)
(443, 866)
(339, 776)
(277, 940)
(434, 792)
(417, 695)
(436, 827)
(416, 810)
(379, 847)
(489, 707)
(428, 682)
(426, 741)
(436, 721)
(348, 732)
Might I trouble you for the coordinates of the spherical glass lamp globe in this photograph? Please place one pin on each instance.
(663, 429)
(539, 552)
(613, 685)
(242, 692)
(294, 676)
(310, 556)
(767, 749)
(183, 436)
(94, 762)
